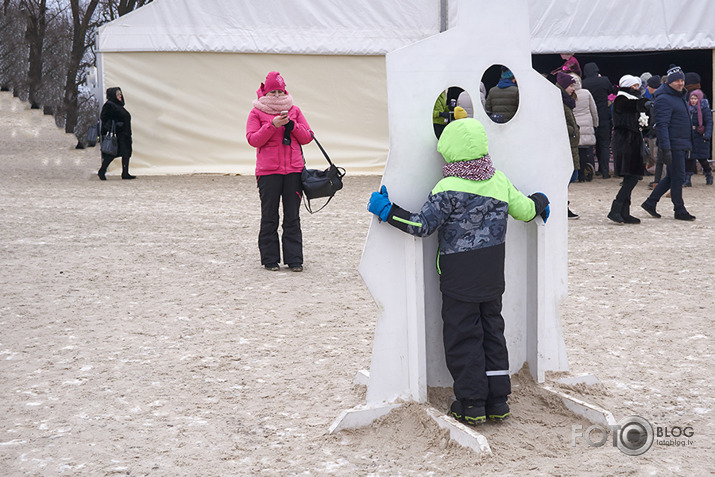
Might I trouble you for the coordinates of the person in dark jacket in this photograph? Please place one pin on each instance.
(114, 114)
(629, 116)
(701, 118)
(675, 139)
(503, 98)
(469, 208)
(692, 81)
(567, 84)
(600, 88)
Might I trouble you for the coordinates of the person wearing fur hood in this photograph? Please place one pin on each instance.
(277, 129)
(629, 117)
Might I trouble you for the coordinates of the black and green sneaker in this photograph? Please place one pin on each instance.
(498, 412)
(474, 415)
(456, 410)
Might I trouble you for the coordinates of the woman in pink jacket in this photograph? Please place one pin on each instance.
(277, 129)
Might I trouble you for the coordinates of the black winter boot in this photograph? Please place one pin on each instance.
(615, 213)
(103, 169)
(125, 169)
(626, 214)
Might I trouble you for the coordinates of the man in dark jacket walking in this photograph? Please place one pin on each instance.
(600, 87)
(672, 125)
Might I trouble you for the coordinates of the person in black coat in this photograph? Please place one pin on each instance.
(600, 87)
(675, 139)
(114, 111)
(629, 116)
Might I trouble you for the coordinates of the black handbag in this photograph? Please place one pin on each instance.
(109, 142)
(321, 183)
(92, 135)
(645, 150)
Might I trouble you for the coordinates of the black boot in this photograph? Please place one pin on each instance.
(103, 169)
(125, 169)
(626, 214)
(615, 213)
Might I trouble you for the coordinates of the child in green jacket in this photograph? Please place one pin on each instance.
(469, 209)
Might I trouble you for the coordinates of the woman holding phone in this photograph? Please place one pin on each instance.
(277, 129)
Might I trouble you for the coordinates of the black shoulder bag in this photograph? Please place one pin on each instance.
(317, 183)
(109, 143)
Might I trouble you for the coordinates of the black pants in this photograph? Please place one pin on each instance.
(624, 194)
(674, 181)
(475, 350)
(107, 160)
(274, 189)
(707, 168)
(603, 148)
(585, 155)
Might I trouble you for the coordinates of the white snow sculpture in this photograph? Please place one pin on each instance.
(532, 149)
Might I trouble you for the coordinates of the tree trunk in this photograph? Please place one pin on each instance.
(35, 36)
(80, 21)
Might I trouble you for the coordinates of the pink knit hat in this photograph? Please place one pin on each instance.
(274, 81)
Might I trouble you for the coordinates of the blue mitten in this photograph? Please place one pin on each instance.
(380, 204)
(541, 204)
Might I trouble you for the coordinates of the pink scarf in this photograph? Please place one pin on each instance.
(273, 104)
(479, 169)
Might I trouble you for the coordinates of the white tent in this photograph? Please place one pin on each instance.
(189, 69)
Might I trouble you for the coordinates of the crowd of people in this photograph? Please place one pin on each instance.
(647, 125)
(644, 122)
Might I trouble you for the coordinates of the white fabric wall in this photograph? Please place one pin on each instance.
(189, 110)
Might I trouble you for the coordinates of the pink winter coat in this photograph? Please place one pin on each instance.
(272, 156)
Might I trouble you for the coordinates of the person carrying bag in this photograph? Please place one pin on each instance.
(277, 129)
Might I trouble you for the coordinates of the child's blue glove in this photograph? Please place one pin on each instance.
(541, 204)
(380, 204)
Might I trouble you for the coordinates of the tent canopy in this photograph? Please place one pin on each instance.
(372, 27)
(358, 27)
(583, 26)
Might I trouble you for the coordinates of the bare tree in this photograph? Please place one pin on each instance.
(46, 49)
(36, 15)
(56, 54)
(13, 57)
(81, 21)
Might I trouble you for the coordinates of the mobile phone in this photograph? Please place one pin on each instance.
(284, 113)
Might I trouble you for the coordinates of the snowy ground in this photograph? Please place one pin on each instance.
(141, 337)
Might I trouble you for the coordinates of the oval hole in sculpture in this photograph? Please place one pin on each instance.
(502, 101)
(444, 105)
